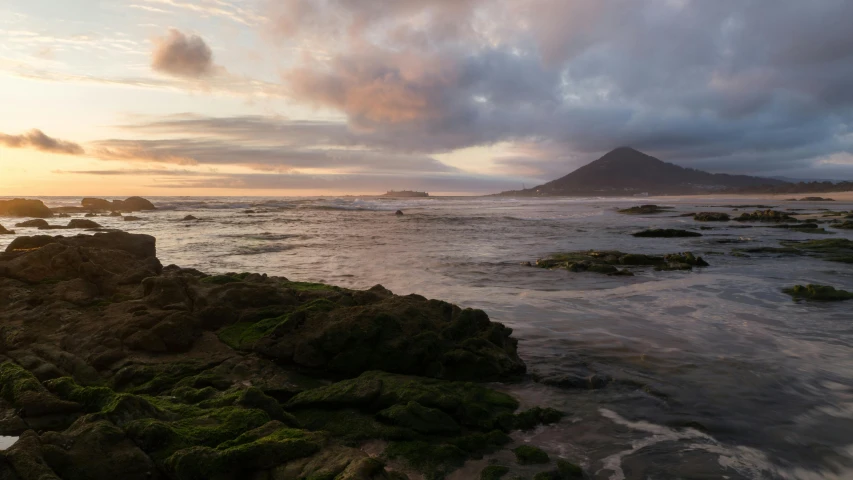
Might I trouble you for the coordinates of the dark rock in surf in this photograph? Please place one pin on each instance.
(131, 218)
(766, 216)
(711, 217)
(20, 207)
(609, 261)
(398, 212)
(644, 210)
(189, 218)
(37, 223)
(666, 233)
(3, 231)
(819, 293)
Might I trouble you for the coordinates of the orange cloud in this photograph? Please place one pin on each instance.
(37, 140)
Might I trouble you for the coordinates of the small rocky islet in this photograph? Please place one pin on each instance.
(113, 366)
(818, 293)
(612, 262)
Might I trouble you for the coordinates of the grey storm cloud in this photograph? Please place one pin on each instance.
(182, 55)
(725, 85)
(37, 140)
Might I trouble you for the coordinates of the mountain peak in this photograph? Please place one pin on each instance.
(626, 171)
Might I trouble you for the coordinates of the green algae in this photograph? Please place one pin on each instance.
(819, 293)
(530, 455)
(493, 472)
(607, 261)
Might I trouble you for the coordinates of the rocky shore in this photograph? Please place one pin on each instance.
(115, 367)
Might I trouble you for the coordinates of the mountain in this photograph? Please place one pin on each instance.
(626, 171)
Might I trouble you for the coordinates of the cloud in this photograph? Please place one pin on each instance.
(750, 87)
(180, 55)
(37, 140)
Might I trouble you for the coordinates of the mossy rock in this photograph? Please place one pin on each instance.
(437, 459)
(607, 261)
(834, 249)
(666, 233)
(421, 419)
(530, 455)
(820, 293)
(711, 217)
(644, 210)
(494, 472)
(766, 216)
(565, 471)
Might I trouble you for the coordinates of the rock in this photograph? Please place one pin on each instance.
(115, 214)
(846, 225)
(607, 262)
(493, 472)
(37, 223)
(97, 204)
(20, 207)
(135, 371)
(132, 204)
(83, 223)
(399, 213)
(711, 217)
(135, 204)
(821, 293)
(766, 216)
(3, 231)
(816, 199)
(189, 218)
(665, 233)
(644, 210)
(131, 218)
(530, 455)
(835, 250)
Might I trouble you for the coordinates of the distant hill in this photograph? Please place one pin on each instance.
(626, 171)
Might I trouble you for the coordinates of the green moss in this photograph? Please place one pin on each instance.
(245, 335)
(530, 455)
(606, 261)
(435, 461)
(310, 287)
(564, 471)
(536, 416)
(155, 379)
(15, 382)
(820, 293)
(222, 279)
(421, 419)
(93, 399)
(351, 426)
(493, 472)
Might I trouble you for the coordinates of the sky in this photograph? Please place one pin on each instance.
(317, 97)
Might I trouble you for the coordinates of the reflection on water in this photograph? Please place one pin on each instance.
(708, 373)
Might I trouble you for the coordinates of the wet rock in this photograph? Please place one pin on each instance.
(188, 218)
(666, 233)
(820, 293)
(97, 204)
(493, 472)
(530, 455)
(644, 210)
(711, 217)
(131, 218)
(847, 225)
(3, 231)
(766, 216)
(835, 250)
(115, 214)
(20, 207)
(83, 223)
(816, 199)
(37, 223)
(565, 471)
(398, 213)
(132, 204)
(607, 261)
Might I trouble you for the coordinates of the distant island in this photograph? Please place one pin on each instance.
(629, 172)
(404, 193)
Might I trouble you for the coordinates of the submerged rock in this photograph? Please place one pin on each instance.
(644, 210)
(821, 293)
(130, 370)
(711, 217)
(835, 249)
(766, 216)
(666, 233)
(607, 262)
(20, 207)
(37, 223)
(847, 225)
(816, 199)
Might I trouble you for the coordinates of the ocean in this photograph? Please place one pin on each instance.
(714, 373)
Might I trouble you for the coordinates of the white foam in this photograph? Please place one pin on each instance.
(6, 442)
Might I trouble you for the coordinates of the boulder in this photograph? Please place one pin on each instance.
(666, 233)
(130, 218)
(83, 223)
(37, 223)
(398, 213)
(136, 204)
(3, 231)
(644, 210)
(97, 204)
(189, 218)
(20, 207)
(711, 217)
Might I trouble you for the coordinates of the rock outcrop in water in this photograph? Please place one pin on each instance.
(711, 217)
(20, 207)
(609, 262)
(114, 207)
(666, 233)
(112, 366)
(820, 293)
(766, 216)
(4, 231)
(644, 210)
